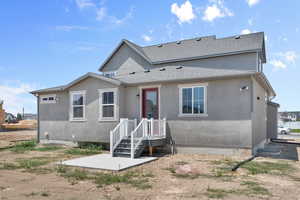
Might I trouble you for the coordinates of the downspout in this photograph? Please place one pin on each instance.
(38, 118)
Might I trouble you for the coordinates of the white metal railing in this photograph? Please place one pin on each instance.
(122, 130)
(147, 128)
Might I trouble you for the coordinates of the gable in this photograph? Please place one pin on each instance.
(124, 60)
(91, 83)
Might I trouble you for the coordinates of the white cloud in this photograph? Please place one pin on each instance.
(81, 4)
(289, 56)
(147, 38)
(119, 21)
(216, 10)
(252, 2)
(184, 12)
(101, 13)
(278, 64)
(70, 28)
(246, 31)
(16, 96)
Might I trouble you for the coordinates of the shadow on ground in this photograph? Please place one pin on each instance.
(280, 151)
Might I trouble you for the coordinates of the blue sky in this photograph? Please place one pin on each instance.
(51, 42)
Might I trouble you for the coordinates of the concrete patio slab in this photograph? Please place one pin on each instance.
(106, 162)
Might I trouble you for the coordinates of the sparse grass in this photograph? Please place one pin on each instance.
(48, 148)
(24, 146)
(39, 170)
(171, 169)
(87, 149)
(32, 162)
(217, 193)
(45, 194)
(252, 189)
(8, 166)
(181, 163)
(133, 178)
(139, 180)
(187, 176)
(76, 174)
(276, 168)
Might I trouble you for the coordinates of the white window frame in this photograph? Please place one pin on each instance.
(47, 96)
(115, 104)
(72, 93)
(184, 86)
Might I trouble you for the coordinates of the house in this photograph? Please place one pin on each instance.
(205, 93)
(289, 116)
(29, 116)
(2, 113)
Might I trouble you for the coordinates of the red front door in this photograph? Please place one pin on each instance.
(150, 104)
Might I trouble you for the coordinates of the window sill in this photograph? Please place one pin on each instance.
(108, 120)
(193, 115)
(77, 120)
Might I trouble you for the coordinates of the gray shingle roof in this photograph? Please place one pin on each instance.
(195, 48)
(207, 46)
(89, 74)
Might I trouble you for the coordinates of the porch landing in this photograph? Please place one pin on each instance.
(106, 162)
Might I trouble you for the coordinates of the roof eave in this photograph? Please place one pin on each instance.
(247, 74)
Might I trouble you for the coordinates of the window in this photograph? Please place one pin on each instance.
(110, 74)
(49, 98)
(77, 110)
(192, 100)
(107, 104)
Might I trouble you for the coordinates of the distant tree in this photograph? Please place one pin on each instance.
(19, 117)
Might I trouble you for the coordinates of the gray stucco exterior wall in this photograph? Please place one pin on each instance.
(54, 118)
(259, 116)
(228, 120)
(272, 128)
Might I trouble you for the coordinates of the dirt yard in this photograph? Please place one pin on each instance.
(8, 138)
(29, 171)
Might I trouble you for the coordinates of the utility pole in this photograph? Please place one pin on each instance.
(23, 113)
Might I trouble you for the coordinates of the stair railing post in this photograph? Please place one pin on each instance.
(165, 126)
(131, 146)
(111, 144)
(151, 126)
(135, 123)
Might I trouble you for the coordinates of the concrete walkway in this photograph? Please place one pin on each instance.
(106, 162)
